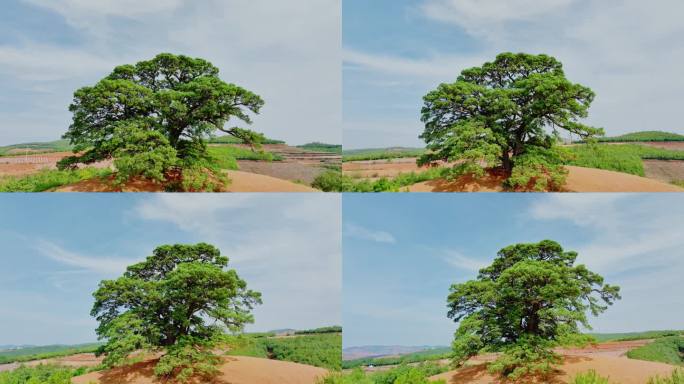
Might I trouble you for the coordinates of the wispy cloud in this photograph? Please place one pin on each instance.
(104, 265)
(458, 260)
(359, 232)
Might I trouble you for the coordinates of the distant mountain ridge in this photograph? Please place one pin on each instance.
(365, 351)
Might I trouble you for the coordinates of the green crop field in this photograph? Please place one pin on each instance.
(48, 179)
(403, 374)
(643, 136)
(628, 336)
(227, 139)
(42, 374)
(322, 147)
(36, 147)
(320, 350)
(626, 158)
(380, 153)
(238, 153)
(44, 352)
(427, 355)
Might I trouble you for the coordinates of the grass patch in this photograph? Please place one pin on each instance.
(643, 136)
(48, 374)
(228, 139)
(381, 153)
(629, 336)
(625, 158)
(403, 374)
(48, 179)
(320, 350)
(668, 350)
(223, 153)
(332, 181)
(322, 147)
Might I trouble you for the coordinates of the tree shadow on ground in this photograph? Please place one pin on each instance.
(143, 372)
(479, 374)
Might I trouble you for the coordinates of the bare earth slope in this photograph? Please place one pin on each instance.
(236, 370)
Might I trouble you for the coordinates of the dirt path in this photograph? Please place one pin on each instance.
(236, 370)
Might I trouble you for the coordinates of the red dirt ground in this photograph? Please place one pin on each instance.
(579, 179)
(236, 370)
(607, 359)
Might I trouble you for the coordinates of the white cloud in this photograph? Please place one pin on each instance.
(437, 67)
(286, 246)
(480, 16)
(458, 260)
(359, 232)
(288, 53)
(104, 265)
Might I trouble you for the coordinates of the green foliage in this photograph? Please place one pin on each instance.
(530, 299)
(321, 350)
(505, 109)
(220, 152)
(403, 374)
(590, 377)
(677, 377)
(190, 357)
(45, 352)
(181, 299)
(330, 329)
(422, 356)
(332, 181)
(49, 179)
(539, 169)
(228, 139)
(41, 374)
(178, 97)
(625, 158)
(643, 136)
(668, 350)
(380, 153)
(322, 147)
(36, 147)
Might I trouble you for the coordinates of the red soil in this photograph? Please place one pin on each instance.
(607, 359)
(236, 370)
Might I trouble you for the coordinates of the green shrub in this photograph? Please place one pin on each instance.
(49, 179)
(590, 377)
(322, 147)
(531, 356)
(626, 158)
(222, 152)
(668, 350)
(320, 350)
(539, 169)
(333, 181)
(677, 377)
(41, 374)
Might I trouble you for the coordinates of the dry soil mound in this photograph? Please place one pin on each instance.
(236, 370)
(619, 369)
(579, 180)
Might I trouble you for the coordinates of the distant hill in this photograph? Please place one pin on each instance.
(36, 147)
(322, 147)
(373, 351)
(642, 136)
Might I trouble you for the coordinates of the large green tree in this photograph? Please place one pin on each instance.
(531, 298)
(181, 301)
(172, 102)
(497, 114)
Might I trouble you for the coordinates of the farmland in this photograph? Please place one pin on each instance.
(277, 166)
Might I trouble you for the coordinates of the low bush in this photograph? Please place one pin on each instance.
(49, 179)
(41, 374)
(677, 377)
(226, 152)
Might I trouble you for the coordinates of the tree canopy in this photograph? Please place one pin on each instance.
(503, 111)
(170, 103)
(531, 298)
(182, 299)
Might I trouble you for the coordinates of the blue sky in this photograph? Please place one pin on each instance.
(57, 248)
(287, 52)
(401, 252)
(395, 51)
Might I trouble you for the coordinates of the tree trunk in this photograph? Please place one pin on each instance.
(506, 162)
